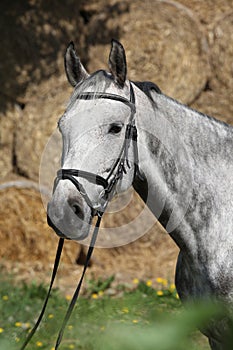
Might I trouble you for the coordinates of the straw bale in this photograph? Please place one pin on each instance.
(28, 245)
(24, 233)
(45, 105)
(35, 36)
(209, 10)
(164, 43)
(6, 142)
(216, 104)
(222, 53)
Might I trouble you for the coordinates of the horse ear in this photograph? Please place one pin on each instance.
(75, 71)
(117, 62)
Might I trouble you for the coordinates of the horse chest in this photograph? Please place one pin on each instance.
(189, 285)
(195, 282)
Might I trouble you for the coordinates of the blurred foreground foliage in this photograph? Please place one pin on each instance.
(171, 332)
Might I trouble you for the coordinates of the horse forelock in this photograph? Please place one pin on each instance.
(101, 80)
(96, 82)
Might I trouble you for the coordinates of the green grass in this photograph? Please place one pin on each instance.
(137, 319)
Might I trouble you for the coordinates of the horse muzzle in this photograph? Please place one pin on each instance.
(70, 218)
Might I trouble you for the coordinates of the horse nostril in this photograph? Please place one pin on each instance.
(76, 206)
(77, 210)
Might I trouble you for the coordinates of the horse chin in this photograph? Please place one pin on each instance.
(81, 235)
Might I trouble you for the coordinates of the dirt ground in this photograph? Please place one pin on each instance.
(184, 46)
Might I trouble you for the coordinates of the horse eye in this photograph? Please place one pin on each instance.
(115, 128)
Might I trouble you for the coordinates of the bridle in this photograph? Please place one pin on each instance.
(122, 162)
(118, 169)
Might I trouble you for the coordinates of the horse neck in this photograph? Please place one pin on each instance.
(178, 152)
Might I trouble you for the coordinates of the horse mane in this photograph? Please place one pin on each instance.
(147, 87)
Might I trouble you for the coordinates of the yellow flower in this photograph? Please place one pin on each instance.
(94, 296)
(149, 283)
(68, 297)
(100, 293)
(164, 282)
(5, 297)
(1, 330)
(18, 324)
(39, 344)
(159, 280)
(135, 321)
(125, 310)
(71, 346)
(172, 287)
(50, 316)
(70, 327)
(135, 281)
(159, 293)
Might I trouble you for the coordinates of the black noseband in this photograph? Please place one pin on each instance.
(63, 174)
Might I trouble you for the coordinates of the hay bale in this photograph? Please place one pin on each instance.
(151, 256)
(46, 103)
(6, 142)
(24, 233)
(28, 244)
(222, 53)
(30, 72)
(164, 43)
(216, 104)
(125, 221)
(208, 11)
(45, 27)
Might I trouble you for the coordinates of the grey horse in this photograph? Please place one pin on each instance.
(185, 174)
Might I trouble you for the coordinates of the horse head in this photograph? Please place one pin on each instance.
(98, 132)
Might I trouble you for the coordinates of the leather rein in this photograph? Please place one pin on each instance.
(118, 169)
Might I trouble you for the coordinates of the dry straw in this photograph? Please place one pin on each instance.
(164, 43)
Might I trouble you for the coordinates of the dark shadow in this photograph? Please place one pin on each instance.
(36, 33)
(33, 35)
(99, 30)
